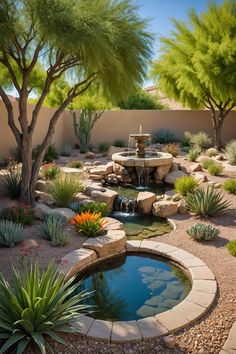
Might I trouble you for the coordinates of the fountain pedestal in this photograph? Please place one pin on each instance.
(141, 142)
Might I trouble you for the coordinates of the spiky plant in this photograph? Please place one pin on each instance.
(52, 229)
(64, 190)
(11, 233)
(13, 183)
(185, 185)
(206, 202)
(37, 305)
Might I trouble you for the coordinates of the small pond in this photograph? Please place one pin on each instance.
(134, 286)
(131, 191)
(139, 227)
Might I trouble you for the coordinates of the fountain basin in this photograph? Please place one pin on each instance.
(150, 160)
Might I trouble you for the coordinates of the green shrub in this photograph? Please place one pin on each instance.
(185, 185)
(164, 136)
(64, 189)
(172, 149)
(119, 143)
(11, 233)
(38, 305)
(215, 169)
(207, 162)
(66, 149)
(204, 232)
(50, 156)
(50, 171)
(230, 151)
(206, 202)
(21, 214)
(103, 148)
(75, 164)
(95, 207)
(230, 186)
(231, 247)
(194, 153)
(52, 229)
(13, 183)
(187, 138)
(211, 152)
(200, 139)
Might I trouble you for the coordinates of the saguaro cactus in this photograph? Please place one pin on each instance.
(84, 128)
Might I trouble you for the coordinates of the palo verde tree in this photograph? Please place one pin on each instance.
(86, 41)
(197, 66)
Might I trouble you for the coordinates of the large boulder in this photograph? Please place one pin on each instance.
(108, 197)
(89, 188)
(145, 201)
(164, 208)
(119, 170)
(200, 177)
(113, 242)
(41, 186)
(44, 197)
(162, 171)
(196, 167)
(66, 213)
(77, 172)
(102, 170)
(172, 176)
(41, 211)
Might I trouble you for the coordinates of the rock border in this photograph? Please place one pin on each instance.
(194, 306)
(230, 345)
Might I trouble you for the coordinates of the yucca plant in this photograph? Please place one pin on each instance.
(185, 185)
(52, 229)
(215, 169)
(11, 233)
(64, 189)
(37, 305)
(194, 153)
(206, 202)
(207, 162)
(13, 183)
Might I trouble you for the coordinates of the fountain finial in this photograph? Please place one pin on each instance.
(140, 129)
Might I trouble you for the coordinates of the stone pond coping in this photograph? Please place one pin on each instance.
(195, 305)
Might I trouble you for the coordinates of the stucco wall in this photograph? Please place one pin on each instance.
(119, 124)
(115, 125)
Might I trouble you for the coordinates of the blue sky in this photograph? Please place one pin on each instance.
(160, 13)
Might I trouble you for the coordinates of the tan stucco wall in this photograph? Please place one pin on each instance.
(119, 124)
(115, 125)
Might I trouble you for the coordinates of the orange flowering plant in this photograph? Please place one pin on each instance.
(88, 223)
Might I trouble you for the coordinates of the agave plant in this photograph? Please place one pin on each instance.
(66, 149)
(13, 183)
(53, 231)
(206, 202)
(10, 233)
(38, 305)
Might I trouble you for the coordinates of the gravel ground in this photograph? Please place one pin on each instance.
(205, 336)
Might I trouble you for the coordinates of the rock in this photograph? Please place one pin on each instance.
(162, 171)
(112, 224)
(170, 341)
(88, 164)
(183, 169)
(30, 243)
(200, 177)
(89, 188)
(172, 177)
(119, 170)
(174, 167)
(77, 172)
(108, 197)
(95, 177)
(90, 155)
(217, 185)
(102, 170)
(196, 167)
(44, 197)
(41, 211)
(220, 157)
(97, 163)
(164, 208)
(41, 186)
(145, 201)
(170, 194)
(65, 212)
(182, 208)
(113, 242)
(80, 197)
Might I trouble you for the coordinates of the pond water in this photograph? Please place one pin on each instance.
(134, 286)
(138, 227)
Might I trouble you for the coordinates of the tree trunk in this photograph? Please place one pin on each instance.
(26, 153)
(217, 136)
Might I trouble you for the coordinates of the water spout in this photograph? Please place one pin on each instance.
(140, 129)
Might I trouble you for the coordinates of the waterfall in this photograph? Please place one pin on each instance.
(143, 176)
(125, 205)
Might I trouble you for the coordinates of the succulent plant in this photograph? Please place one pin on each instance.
(66, 149)
(52, 229)
(11, 233)
(204, 232)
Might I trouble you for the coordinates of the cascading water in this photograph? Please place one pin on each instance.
(125, 205)
(143, 177)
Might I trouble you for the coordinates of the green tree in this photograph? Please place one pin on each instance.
(197, 66)
(85, 41)
(141, 100)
